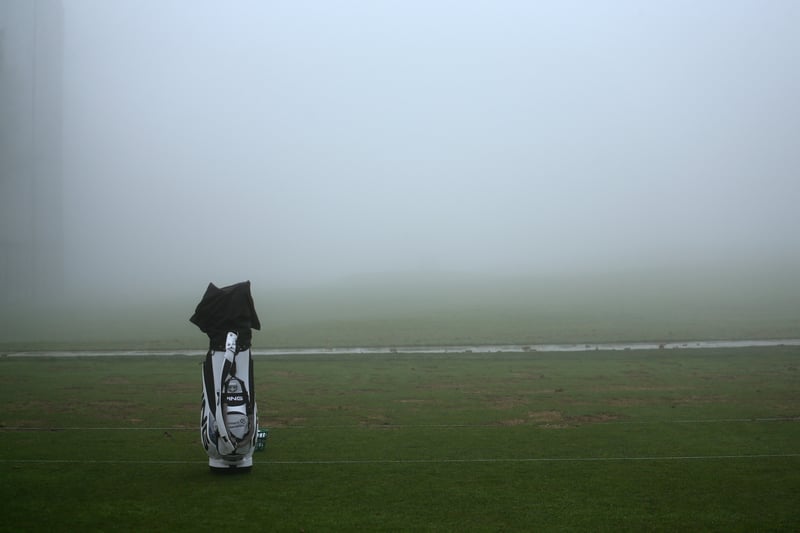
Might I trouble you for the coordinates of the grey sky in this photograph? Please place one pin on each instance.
(296, 142)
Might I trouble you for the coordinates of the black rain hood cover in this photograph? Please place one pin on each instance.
(227, 309)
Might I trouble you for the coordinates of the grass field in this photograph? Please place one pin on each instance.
(669, 440)
(428, 310)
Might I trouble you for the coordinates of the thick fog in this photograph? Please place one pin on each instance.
(294, 143)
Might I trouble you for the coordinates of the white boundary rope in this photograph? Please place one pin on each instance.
(418, 461)
(427, 350)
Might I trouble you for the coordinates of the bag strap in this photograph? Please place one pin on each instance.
(225, 443)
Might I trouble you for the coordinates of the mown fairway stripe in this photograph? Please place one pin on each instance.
(417, 461)
(406, 426)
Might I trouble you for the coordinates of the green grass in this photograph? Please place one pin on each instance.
(670, 440)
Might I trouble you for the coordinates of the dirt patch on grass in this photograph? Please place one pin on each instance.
(676, 400)
(557, 419)
(545, 416)
(594, 418)
(544, 419)
(513, 422)
(694, 400)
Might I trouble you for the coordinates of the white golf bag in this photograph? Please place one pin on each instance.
(229, 415)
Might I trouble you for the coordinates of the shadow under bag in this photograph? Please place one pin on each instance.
(229, 414)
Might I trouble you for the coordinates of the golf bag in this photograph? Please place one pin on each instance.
(228, 411)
